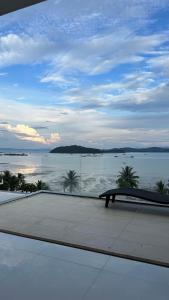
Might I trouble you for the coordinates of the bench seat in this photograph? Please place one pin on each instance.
(137, 193)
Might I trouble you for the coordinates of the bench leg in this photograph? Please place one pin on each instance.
(113, 198)
(107, 201)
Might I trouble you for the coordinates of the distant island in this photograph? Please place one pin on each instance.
(13, 154)
(75, 149)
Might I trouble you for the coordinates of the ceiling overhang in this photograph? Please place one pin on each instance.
(7, 6)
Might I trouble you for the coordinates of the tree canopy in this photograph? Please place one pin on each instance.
(127, 178)
(12, 182)
(71, 181)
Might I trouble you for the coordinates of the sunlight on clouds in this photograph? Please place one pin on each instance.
(21, 129)
(26, 133)
(53, 138)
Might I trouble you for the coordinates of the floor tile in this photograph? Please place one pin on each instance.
(82, 257)
(35, 270)
(47, 278)
(20, 243)
(109, 286)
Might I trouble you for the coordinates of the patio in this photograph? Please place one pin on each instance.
(127, 230)
(37, 270)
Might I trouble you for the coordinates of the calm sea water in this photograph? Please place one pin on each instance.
(97, 172)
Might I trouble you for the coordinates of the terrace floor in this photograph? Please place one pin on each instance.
(37, 270)
(6, 196)
(131, 230)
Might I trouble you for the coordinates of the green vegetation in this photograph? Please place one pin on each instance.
(127, 178)
(73, 149)
(41, 185)
(71, 181)
(11, 182)
(161, 187)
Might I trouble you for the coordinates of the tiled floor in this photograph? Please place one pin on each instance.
(31, 269)
(123, 228)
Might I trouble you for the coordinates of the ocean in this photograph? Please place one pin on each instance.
(97, 173)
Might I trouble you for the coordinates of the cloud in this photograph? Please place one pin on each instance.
(26, 133)
(142, 91)
(160, 63)
(59, 80)
(21, 98)
(23, 49)
(93, 55)
(77, 17)
(87, 127)
(95, 72)
(143, 100)
(100, 54)
(55, 78)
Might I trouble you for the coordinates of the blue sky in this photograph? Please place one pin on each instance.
(94, 74)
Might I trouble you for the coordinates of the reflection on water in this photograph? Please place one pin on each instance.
(97, 172)
(26, 170)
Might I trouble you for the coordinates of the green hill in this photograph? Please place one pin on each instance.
(74, 149)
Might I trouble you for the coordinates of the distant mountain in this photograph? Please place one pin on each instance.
(128, 150)
(74, 149)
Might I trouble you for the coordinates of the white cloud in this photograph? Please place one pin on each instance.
(55, 78)
(21, 98)
(58, 80)
(27, 133)
(102, 53)
(75, 41)
(86, 127)
(94, 55)
(135, 88)
(15, 111)
(23, 49)
(160, 63)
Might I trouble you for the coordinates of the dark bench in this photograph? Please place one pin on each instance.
(137, 193)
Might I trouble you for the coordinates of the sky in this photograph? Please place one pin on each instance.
(93, 73)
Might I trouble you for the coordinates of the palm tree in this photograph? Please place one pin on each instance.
(41, 185)
(14, 183)
(29, 187)
(127, 178)
(10, 181)
(161, 187)
(21, 179)
(1, 178)
(71, 181)
(7, 175)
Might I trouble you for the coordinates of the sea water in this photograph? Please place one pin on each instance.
(97, 173)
